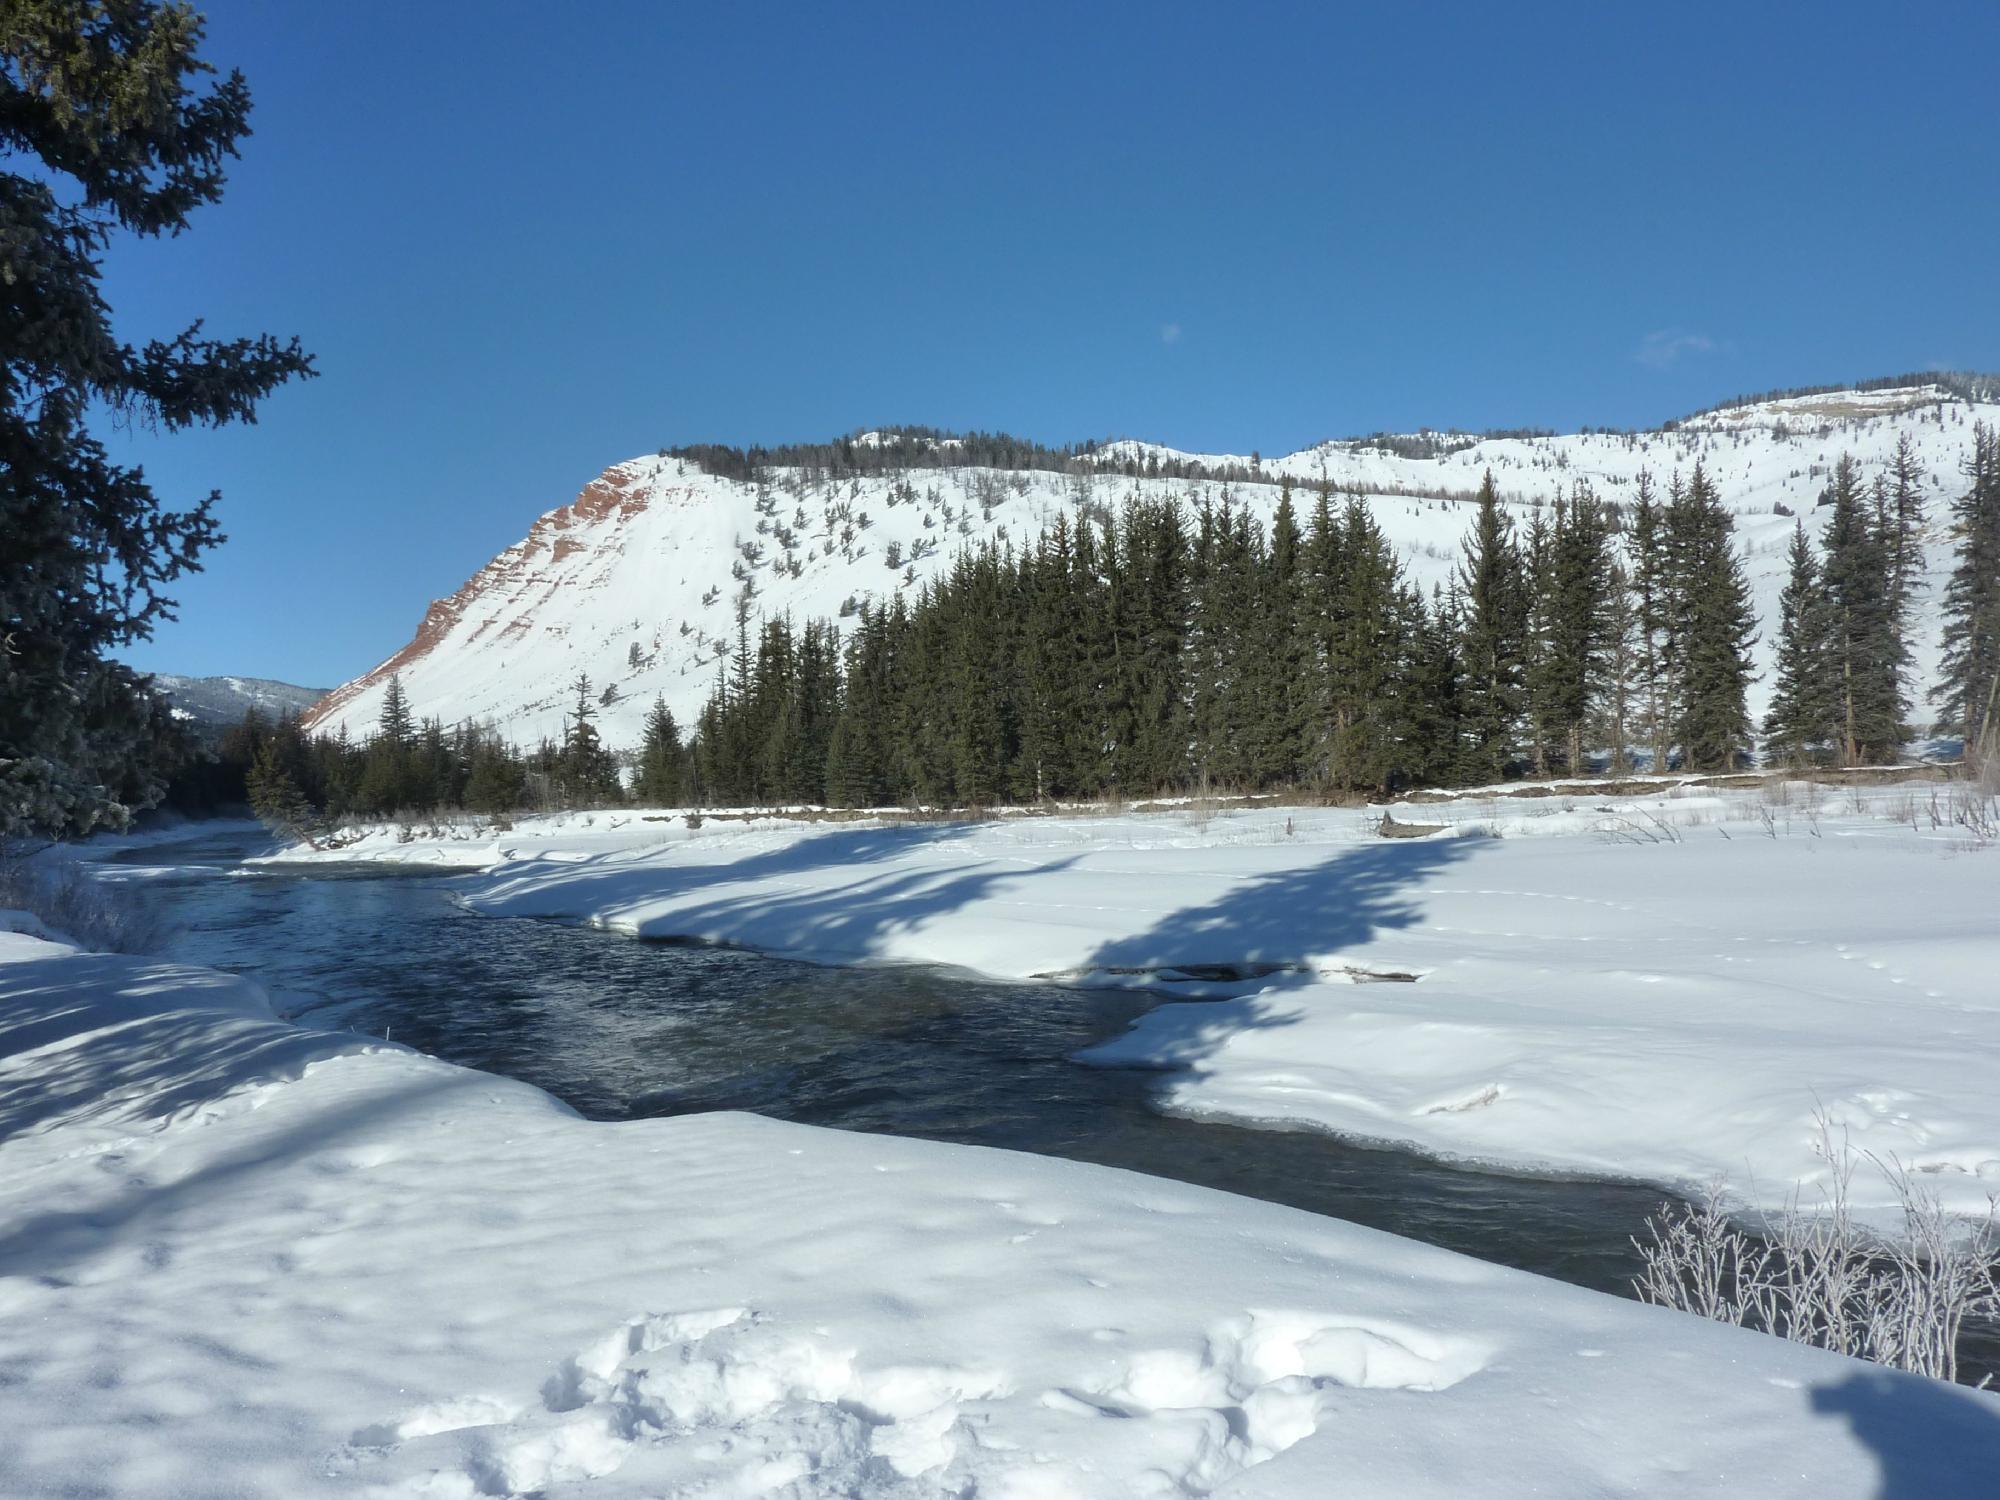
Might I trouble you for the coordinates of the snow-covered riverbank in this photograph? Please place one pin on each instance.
(1664, 988)
(238, 1257)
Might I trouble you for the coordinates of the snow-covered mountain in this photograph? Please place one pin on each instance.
(216, 702)
(635, 582)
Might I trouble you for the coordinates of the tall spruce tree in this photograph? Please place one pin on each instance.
(1219, 681)
(1968, 693)
(1618, 707)
(394, 723)
(1044, 684)
(1901, 517)
(1433, 741)
(1715, 627)
(1539, 662)
(495, 778)
(1803, 710)
(1866, 651)
(1277, 686)
(857, 768)
(1575, 618)
(659, 780)
(1655, 646)
(279, 802)
(587, 771)
(101, 107)
(1151, 633)
(1372, 645)
(1493, 647)
(388, 784)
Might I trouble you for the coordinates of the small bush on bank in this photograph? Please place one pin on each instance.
(1816, 1277)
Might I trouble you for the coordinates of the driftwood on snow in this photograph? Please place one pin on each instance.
(1389, 828)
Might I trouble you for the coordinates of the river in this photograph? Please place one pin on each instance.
(622, 1029)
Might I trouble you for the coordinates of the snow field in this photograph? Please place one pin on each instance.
(240, 1257)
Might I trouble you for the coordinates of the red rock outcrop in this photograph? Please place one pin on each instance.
(619, 491)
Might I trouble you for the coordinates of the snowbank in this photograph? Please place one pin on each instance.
(238, 1257)
(1663, 987)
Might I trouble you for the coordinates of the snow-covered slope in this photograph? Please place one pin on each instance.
(221, 701)
(635, 583)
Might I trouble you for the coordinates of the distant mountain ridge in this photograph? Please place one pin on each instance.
(220, 701)
(638, 582)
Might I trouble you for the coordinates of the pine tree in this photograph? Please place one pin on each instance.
(1370, 650)
(436, 776)
(1539, 662)
(980, 735)
(495, 778)
(1223, 591)
(1277, 683)
(1901, 522)
(1715, 627)
(1494, 644)
(1863, 640)
(388, 783)
(1572, 635)
(1622, 682)
(588, 772)
(1655, 648)
(1151, 632)
(394, 723)
(1968, 693)
(278, 801)
(1092, 656)
(857, 768)
(658, 783)
(98, 101)
(1046, 685)
(1803, 712)
(1434, 744)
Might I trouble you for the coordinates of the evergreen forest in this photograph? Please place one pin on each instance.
(1161, 649)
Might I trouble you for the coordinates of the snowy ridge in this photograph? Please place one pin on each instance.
(221, 701)
(637, 581)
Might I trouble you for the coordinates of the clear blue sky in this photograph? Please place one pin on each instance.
(529, 240)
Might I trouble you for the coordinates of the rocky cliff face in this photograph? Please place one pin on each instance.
(638, 582)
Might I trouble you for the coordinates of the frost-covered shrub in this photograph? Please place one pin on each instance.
(1814, 1276)
(99, 915)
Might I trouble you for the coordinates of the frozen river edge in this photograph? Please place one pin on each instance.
(1664, 988)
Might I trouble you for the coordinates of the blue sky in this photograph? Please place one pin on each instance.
(526, 241)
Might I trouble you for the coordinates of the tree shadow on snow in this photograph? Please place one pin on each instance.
(1930, 1439)
(1273, 929)
(752, 904)
(132, 1046)
(1294, 916)
(172, 1040)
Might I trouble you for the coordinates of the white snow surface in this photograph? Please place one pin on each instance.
(1661, 987)
(632, 584)
(242, 1258)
